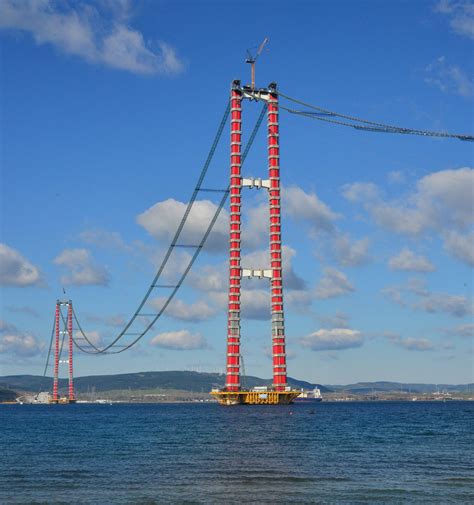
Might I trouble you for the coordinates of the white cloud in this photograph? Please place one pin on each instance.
(209, 277)
(461, 16)
(465, 330)
(177, 309)
(460, 246)
(441, 204)
(82, 271)
(20, 345)
(407, 260)
(413, 344)
(307, 206)
(98, 35)
(16, 270)
(360, 191)
(333, 339)
(333, 283)
(449, 78)
(454, 305)
(162, 220)
(103, 239)
(351, 253)
(416, 296)
(7, 327)
(94, 338)
(181, 340)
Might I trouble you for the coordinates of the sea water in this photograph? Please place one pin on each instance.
(373, 452)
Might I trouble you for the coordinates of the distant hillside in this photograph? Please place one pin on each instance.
(386, 387)
(196, 382)
(7, 395)
(185, 381)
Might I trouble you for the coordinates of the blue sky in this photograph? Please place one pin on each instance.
(108, 111)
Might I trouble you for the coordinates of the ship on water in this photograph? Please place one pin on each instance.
(313, 396)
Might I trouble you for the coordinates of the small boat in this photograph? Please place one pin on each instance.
(313, 396)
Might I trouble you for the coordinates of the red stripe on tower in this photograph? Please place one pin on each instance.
(278, 321)
(233, 326)
(56, 354)
(69, 330)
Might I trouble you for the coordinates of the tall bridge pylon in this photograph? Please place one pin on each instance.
(233, 392)
(63, 329)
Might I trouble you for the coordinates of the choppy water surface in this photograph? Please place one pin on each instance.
(204, 453)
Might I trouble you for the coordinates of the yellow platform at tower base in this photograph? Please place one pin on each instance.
(255, 397)
(62, 401)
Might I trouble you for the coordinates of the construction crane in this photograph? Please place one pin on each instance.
(253, 59)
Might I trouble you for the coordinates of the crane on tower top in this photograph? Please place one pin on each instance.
(253, 59)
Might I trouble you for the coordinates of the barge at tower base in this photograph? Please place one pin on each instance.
(256, 396)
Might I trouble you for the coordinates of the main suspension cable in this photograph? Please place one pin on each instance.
(50, 347)
(372, 126)
(197, 247)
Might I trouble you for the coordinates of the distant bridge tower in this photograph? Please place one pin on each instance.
(63, 329)
(233, 392)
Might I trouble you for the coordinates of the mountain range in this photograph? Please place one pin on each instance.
(197, 382)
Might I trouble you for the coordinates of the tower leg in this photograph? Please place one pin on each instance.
(278, 321)
(233, 326)
(69, 331)
(56, 355)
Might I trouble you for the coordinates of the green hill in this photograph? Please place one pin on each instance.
(7, 395)
(177, 380)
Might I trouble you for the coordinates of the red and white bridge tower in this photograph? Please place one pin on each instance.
(59, 339)
(279, 392)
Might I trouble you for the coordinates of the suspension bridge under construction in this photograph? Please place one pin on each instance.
(142, 320)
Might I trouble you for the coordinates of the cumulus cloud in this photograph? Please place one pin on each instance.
(465, 330)
(412, 344)
(407, 260)
(449, 78)
(460, 14)
(6, 327)
(104, 239)
(333, 339)
(308, 207)
(360, 191)
(81, 268)
(177, 309)
(460, 246)
(94, 337)
(351, 253)
(416, 296)
(333, 283)
(16, 270)
(209, 277)
(441, 203)
(162, 220)
(19, 344)
(99, 34)
(181, 340)
(456, 306)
